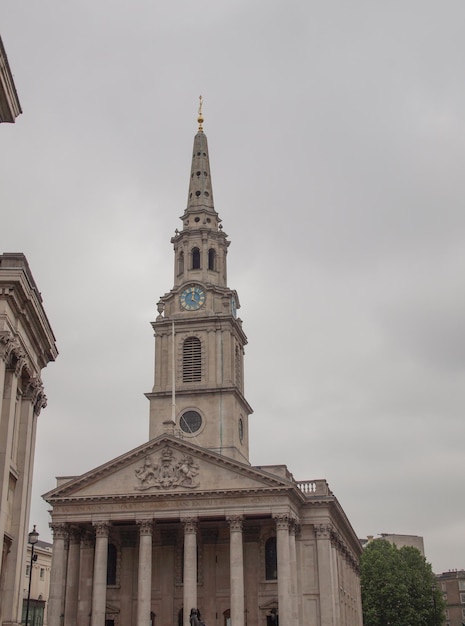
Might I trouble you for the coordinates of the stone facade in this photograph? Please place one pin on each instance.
(27, 344)
(185, 521)
(10, 107)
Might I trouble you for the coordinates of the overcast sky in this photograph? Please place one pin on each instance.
(337, 143)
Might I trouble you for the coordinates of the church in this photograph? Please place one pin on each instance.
(185, 521)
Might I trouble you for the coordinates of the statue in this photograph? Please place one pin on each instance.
(146, 473)
(187, 470)
(194, 618)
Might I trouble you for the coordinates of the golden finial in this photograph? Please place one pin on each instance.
(200, 117)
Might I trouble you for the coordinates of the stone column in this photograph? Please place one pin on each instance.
(325, 574)
(190, 567)
(72, 577)
(144, 580)
(56, 600)
(293, 565)
(284, 570)
(99, 590)
(236, 570)
(86, 563)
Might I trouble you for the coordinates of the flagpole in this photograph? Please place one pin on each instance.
(173, 377)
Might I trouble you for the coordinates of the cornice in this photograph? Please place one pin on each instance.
(17, 286)
(186, 391)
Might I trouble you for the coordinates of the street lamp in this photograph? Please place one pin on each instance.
(32, 539)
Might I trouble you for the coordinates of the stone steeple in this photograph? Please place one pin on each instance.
(200, 195)
(201, 247)
(199, 342)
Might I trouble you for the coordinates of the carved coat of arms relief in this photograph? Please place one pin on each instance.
(166, 471)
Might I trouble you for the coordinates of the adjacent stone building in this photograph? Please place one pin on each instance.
(27, 344)
(10, 107)
(185, 521)
(38, 578)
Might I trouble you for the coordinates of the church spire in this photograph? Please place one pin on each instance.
(200, 195)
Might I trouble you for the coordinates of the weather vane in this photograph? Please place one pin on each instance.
(200, 117)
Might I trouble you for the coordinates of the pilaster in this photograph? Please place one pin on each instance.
(295, 604)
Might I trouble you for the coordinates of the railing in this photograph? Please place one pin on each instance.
(314, 487)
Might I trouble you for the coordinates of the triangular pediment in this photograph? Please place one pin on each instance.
(166, 465)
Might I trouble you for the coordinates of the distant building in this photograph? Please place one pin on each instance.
(9, 101)
(27, 344)
(400, 541)
(452, 585)
(40, 583)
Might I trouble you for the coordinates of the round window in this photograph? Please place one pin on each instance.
(190, 421)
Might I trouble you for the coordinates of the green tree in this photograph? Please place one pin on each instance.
(398, 587)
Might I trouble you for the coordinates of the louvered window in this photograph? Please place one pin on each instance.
(192, 360)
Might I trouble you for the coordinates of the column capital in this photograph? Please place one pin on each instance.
(190, 525)
(295, 527)
(35, 394)
(145, 526)
(7, 344)
(60, 531)
(323, 531)
(102, 529)
(235, 522)
(283, 521)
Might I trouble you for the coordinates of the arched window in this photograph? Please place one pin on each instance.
(111, 564)
(195, 259)
(191, 360)
(271, 560)
(181, 263)
(212, 259)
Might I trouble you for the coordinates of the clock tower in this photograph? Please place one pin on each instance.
(198, 391)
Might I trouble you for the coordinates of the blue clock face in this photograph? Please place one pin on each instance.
(192, 298)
